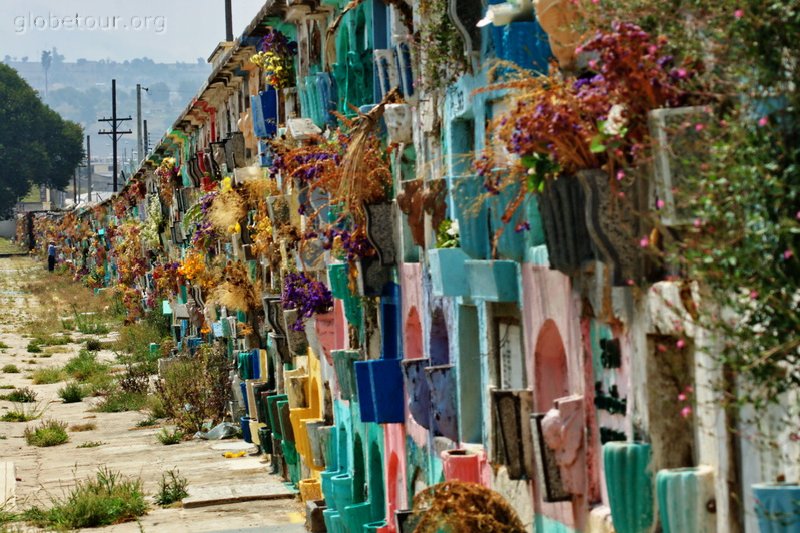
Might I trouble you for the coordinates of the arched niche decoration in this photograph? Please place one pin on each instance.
(412, 337)
(550, 364)
(439, 340)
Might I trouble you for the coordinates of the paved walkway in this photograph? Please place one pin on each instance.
(42, 473)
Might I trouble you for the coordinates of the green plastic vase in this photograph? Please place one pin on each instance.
(630, 485)
(685, 496)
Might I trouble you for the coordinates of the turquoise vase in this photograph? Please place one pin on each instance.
(686, 500)
(777, 507)
(630, 485)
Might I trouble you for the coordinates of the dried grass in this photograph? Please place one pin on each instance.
(227, 209)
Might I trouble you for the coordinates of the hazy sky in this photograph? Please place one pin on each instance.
(163, 30)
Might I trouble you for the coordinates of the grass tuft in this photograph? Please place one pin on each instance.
(46, 376)
(107, 499)
(119, 401)
(71, 393)
(48, 433)
(88, 426)
(168, 438)
(22, 413)
(85, 366)
(23, 395)
(172, 488)
(11, 369)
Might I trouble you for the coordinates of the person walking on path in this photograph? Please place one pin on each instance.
(51, 256)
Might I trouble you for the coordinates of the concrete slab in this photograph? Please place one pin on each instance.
(8, 485)
(234, 446)
(223, 494)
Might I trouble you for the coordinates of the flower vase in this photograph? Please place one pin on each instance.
(777, 507)
(630, 485)
(380, 231)
(298, 343)
(686, 499)
(614, 223)
(563, 210)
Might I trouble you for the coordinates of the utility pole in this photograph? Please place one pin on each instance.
(75, 187)
(115, 132)
(139, 143)
(146, 141)
(89, 166)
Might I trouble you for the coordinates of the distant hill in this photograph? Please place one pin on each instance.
(81, 91)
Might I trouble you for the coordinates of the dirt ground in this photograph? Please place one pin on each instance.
(45, 472)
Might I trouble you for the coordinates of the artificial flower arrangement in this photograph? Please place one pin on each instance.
(561, 124)
(152, 225)
(226, 209)
(128, 249)
(307, 296)
(236, 291)
(167, 173)
(275, 58)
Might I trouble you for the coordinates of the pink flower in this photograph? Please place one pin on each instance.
(788, 254)
(644, 242)
(686, 412)
(739, 13)
(699, 127)
(593, 62)
(680, 344)
(797, 215)
(682, 397)
(753, 295)
(661, 348)
(660, 203)
(630, 282)
(682, 73)
(763, 121)
(689, 389)
(697, 223)
(620, 175)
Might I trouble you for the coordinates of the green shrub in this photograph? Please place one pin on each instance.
(48, 433)
(4, 346)
(89, 324)
(85, 366)
(22, 412)
(201, 383)
(11, 369)
(71, 392)
(46, 376)
(119, 401)
(134, 340)
(172, 488)
(94, 345)
(107, 499)
(23, 395)
(167, 437)
(34, 347)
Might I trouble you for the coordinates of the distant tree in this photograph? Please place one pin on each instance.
(24, 59)
(38, 146)
(159, 93)
(201, 61)
(57, 58)
(7, 59)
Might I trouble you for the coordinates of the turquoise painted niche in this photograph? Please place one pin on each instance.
(443, 263)
(493, 281)
(472, 215)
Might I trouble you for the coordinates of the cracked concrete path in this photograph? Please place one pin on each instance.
(46, 472)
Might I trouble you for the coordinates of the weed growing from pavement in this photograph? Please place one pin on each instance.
(46, 376)
(172, 488)
(169, 437)
(108, 498)
(72, 392)
(23, 412)
(47, 433)
(23, 395)
(88, 426)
